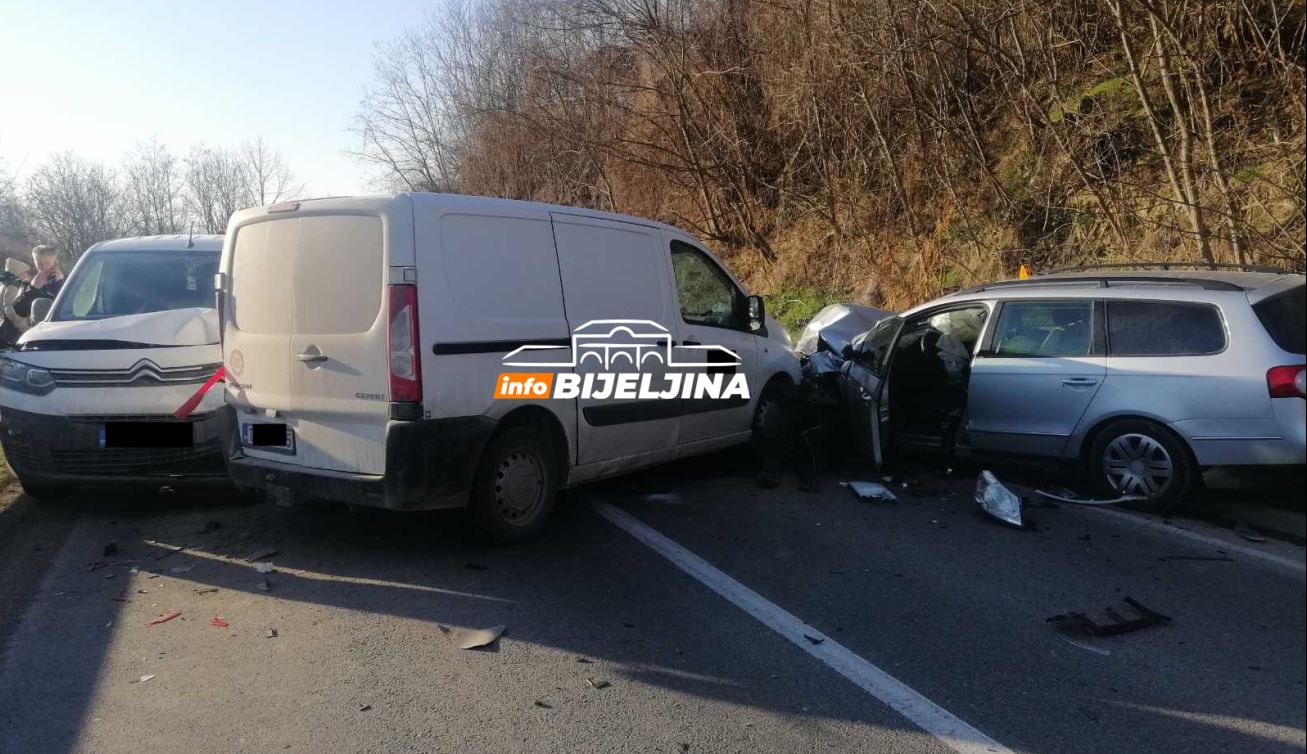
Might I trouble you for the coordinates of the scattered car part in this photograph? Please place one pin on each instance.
(1121, 618)
(997, 500)
(473, 638)
(873, 491)
(165, 617)
(1072, 499)
(1248, 532)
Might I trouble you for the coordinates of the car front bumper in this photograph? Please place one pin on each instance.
(47, 449)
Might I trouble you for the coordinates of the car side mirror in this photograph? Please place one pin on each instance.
(41, 309)
(757, 315)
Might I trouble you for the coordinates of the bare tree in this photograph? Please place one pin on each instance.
(153, 190)
(267, 177)
(73, 203)
(215, 188)
(13, 217)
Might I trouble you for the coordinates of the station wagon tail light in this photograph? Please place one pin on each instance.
(1287, 382)
(405, 369)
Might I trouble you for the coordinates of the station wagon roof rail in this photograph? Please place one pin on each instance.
(1183, 265)
(1105, 281)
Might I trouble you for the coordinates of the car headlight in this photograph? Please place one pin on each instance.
(25, 378)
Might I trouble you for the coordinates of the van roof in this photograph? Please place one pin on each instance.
(466, 202)
(177, 242)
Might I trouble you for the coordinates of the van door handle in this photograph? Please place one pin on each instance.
(310, 357)
(1080, 382)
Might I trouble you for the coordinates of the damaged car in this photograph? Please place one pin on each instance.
(88, 394)
(1142, 380)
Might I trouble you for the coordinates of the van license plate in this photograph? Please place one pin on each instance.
(268, 436)
(147, 435)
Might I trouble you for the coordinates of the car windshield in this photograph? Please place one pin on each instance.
(111, 284)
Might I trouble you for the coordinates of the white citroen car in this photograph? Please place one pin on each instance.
(88, 394)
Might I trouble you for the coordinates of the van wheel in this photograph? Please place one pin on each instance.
(515, 485)
(1138, 457)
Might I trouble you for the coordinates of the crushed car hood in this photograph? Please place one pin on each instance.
(838, 324)
(196, 326)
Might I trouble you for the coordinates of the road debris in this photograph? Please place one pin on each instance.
(264, 585)
(1211, 558)
(543, 705)
(663, 498)
(997, 500)
(207, 590)
(814, 639)
(472, 638)
(219, 622)
(1247, 532)
(585, 660)
(1121, 618)
(1072, 499)
(165, 617)
(1095, 650)
(872, 491)
(187, 568)
(264, 567)
(167, 549)
(365, 708)
(598, 683)
(271, 633)
(267, 552)
(209, 526)
(144, 678)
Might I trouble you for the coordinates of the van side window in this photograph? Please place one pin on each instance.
(1163, 328)
(707, 295)
(1044, 328)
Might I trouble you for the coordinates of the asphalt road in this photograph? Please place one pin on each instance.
(677, 610)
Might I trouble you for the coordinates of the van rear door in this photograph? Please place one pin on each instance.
(316, 279)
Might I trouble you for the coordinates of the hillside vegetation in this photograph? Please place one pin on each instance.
(882, 151)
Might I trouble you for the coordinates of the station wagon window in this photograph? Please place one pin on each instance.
(1163, 328)
(1285, 318)
(1044, 328)
(707, 296)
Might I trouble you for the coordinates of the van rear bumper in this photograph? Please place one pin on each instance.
(430, 464)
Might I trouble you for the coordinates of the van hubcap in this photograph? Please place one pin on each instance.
(1138, 465)
(520, 486)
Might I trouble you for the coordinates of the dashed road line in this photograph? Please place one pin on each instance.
(930, 717)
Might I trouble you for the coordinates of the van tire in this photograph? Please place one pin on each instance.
(516, 485)
(1127, 447)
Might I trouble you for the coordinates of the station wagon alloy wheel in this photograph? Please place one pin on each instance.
(1136, 464)
(520, 485)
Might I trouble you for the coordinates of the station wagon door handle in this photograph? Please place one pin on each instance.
(310, 357)
(1080, 382)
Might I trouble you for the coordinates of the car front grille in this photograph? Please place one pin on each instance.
(202, 459)
(144, 373)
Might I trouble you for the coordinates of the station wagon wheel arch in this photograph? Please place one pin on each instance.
(1183, 474)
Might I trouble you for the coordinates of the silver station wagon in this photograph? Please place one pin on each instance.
(1145, 379)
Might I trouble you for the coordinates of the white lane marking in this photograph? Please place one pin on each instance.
(1293, 567)
(930, 717)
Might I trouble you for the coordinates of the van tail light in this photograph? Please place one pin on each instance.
(1287, 382)
(405, 367)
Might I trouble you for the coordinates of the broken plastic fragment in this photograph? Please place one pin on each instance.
(165, 617)
(873, 491)
(474, 638)
(1073, 500)
(997, 500)
(145, 678)
(597, 683)
(219, 622)
(1127, 616)
(263, 567)
(271, 633)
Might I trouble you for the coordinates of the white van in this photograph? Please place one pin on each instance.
(366, 340)
(87, 396)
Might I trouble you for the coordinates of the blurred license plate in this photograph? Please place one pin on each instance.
(147, 435)
(269, 436)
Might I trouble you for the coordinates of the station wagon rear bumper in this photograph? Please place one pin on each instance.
(430, 464)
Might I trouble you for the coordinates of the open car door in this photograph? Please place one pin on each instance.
(864, 386)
